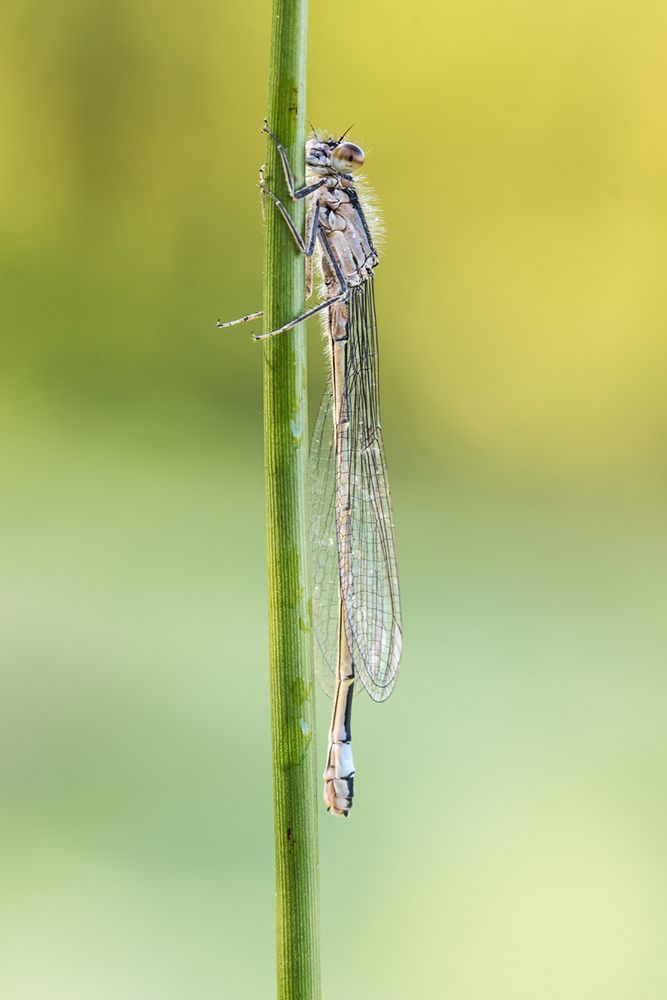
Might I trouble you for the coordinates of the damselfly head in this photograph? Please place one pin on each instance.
(333, 156)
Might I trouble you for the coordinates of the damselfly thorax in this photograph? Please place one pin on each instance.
(342, 232)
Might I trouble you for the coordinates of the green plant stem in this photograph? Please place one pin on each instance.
(286, 469)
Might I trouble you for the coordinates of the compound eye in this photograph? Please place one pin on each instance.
(347, 157)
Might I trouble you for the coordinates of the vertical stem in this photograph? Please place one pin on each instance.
(286, 468)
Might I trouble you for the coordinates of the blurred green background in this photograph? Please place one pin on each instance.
(513, 846)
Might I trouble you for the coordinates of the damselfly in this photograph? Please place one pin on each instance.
(356, 607)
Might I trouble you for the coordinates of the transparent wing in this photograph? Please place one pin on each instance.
(353, 548)
(324, 545)
(365, 530)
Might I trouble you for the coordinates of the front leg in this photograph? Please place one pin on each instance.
(306, 247)
(294, 192)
